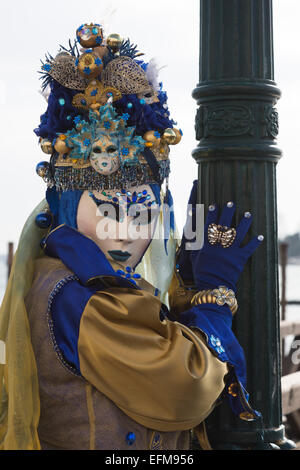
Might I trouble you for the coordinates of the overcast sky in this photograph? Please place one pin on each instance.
(167, 30)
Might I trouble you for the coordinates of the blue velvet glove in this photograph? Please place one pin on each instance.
(210, 267)
(213, 265)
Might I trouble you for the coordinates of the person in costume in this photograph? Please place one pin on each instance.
(116, 338)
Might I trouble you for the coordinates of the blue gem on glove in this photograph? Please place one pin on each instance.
(216, 343)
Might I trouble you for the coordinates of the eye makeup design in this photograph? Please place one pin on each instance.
(137, 205)
(118, 212)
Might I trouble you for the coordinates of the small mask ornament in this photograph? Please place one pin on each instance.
(149, 96)
(104, 156)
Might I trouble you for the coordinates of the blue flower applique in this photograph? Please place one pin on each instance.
(129, 274)
(125, 116)
(77, 119)
(46, 67)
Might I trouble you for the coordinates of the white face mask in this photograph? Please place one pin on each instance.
(104, 156)
(122, 239)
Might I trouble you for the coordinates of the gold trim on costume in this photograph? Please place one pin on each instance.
(156, 442)
(202, 437)
(90, 407)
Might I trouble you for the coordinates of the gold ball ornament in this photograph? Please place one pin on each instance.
(114, 41)
(61, 146)
(151, 139)
(179, 136)
(169, 136)
(89, 35)
(89, 65)
(46, 146)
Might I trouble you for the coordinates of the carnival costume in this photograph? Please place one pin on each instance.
(101, 355)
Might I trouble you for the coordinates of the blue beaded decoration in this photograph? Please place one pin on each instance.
(130, 438)
(129, 274)
(156, 442)
(136, 198)
(130, 198)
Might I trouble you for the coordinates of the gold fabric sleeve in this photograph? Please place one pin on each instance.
(161, 374)
(19, 401)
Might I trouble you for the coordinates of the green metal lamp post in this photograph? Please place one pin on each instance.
(237, 126)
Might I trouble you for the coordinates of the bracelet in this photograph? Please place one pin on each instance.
(220, 296)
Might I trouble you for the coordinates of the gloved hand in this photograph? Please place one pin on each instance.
(213, 265)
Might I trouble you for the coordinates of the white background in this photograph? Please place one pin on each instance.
(165, 29)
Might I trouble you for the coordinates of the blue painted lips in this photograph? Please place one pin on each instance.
(119, 255)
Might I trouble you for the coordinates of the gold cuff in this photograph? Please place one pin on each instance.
(220, 296)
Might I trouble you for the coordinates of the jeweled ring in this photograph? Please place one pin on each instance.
(221, 234)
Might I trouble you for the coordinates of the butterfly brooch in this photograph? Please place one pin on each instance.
(219, 234)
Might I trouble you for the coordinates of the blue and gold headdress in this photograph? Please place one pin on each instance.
(107, 124)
